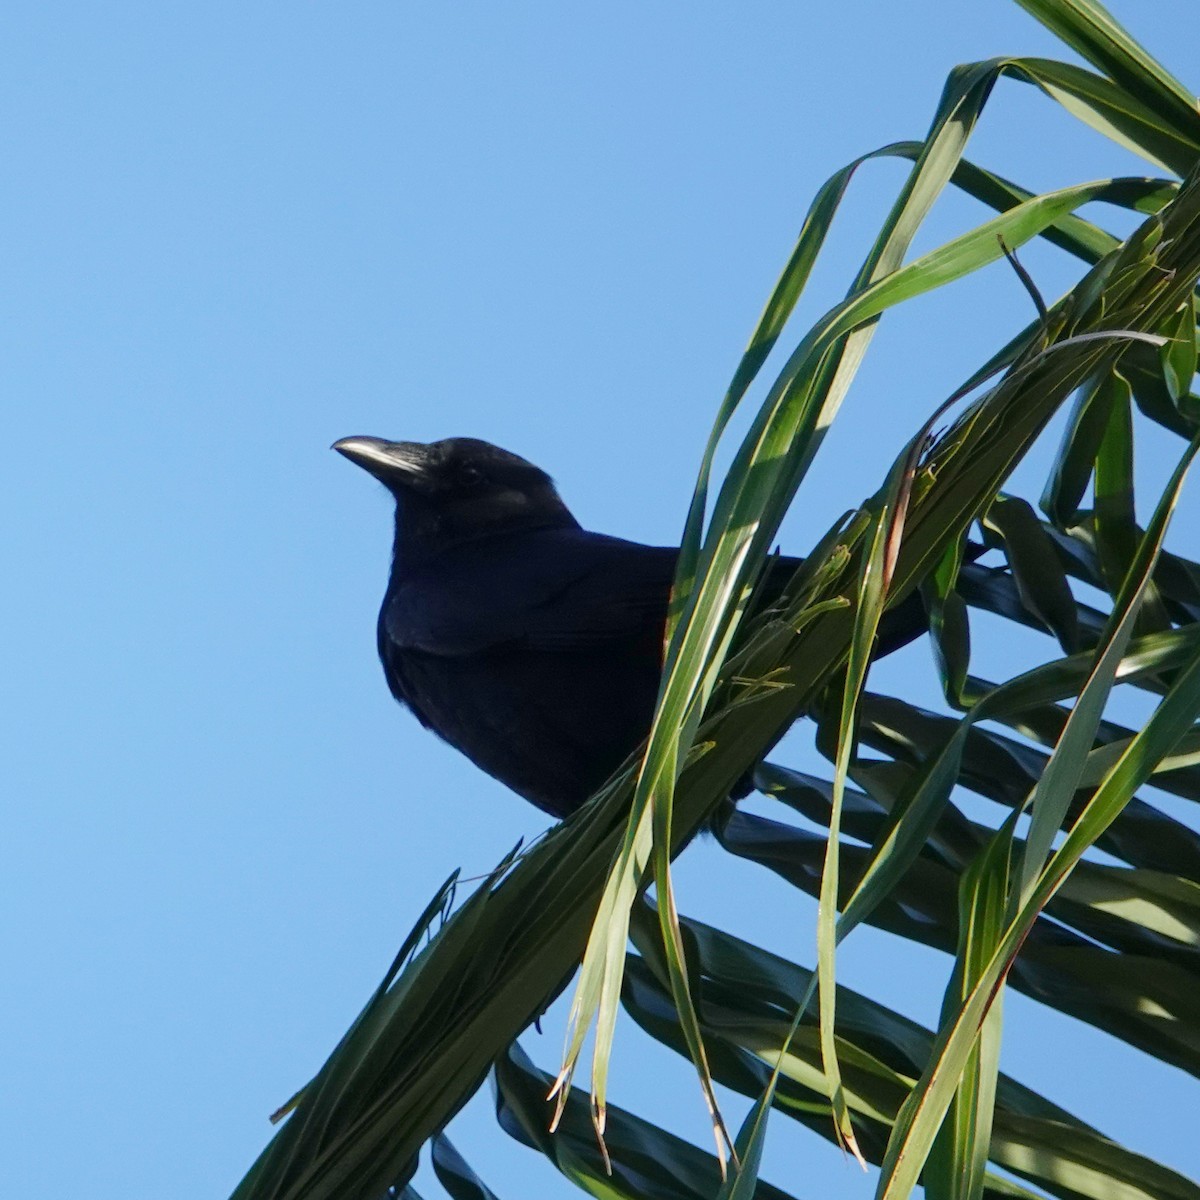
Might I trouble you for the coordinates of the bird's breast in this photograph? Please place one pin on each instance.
(553, 726)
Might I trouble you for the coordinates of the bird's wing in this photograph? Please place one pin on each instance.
(564, 590)
(554, 590)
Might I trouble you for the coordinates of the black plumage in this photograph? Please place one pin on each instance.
(528, 643)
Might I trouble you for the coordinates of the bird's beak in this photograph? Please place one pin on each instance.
(396, 464)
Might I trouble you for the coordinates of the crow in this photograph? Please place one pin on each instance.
(530, 644)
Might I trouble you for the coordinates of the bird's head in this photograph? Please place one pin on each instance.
(457, 490)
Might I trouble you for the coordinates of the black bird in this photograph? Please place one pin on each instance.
(528, 643)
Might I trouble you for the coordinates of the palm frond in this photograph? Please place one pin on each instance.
(1022, 903)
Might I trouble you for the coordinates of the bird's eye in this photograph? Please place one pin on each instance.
(468, 475)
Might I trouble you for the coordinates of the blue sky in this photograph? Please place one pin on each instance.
(236, 232)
